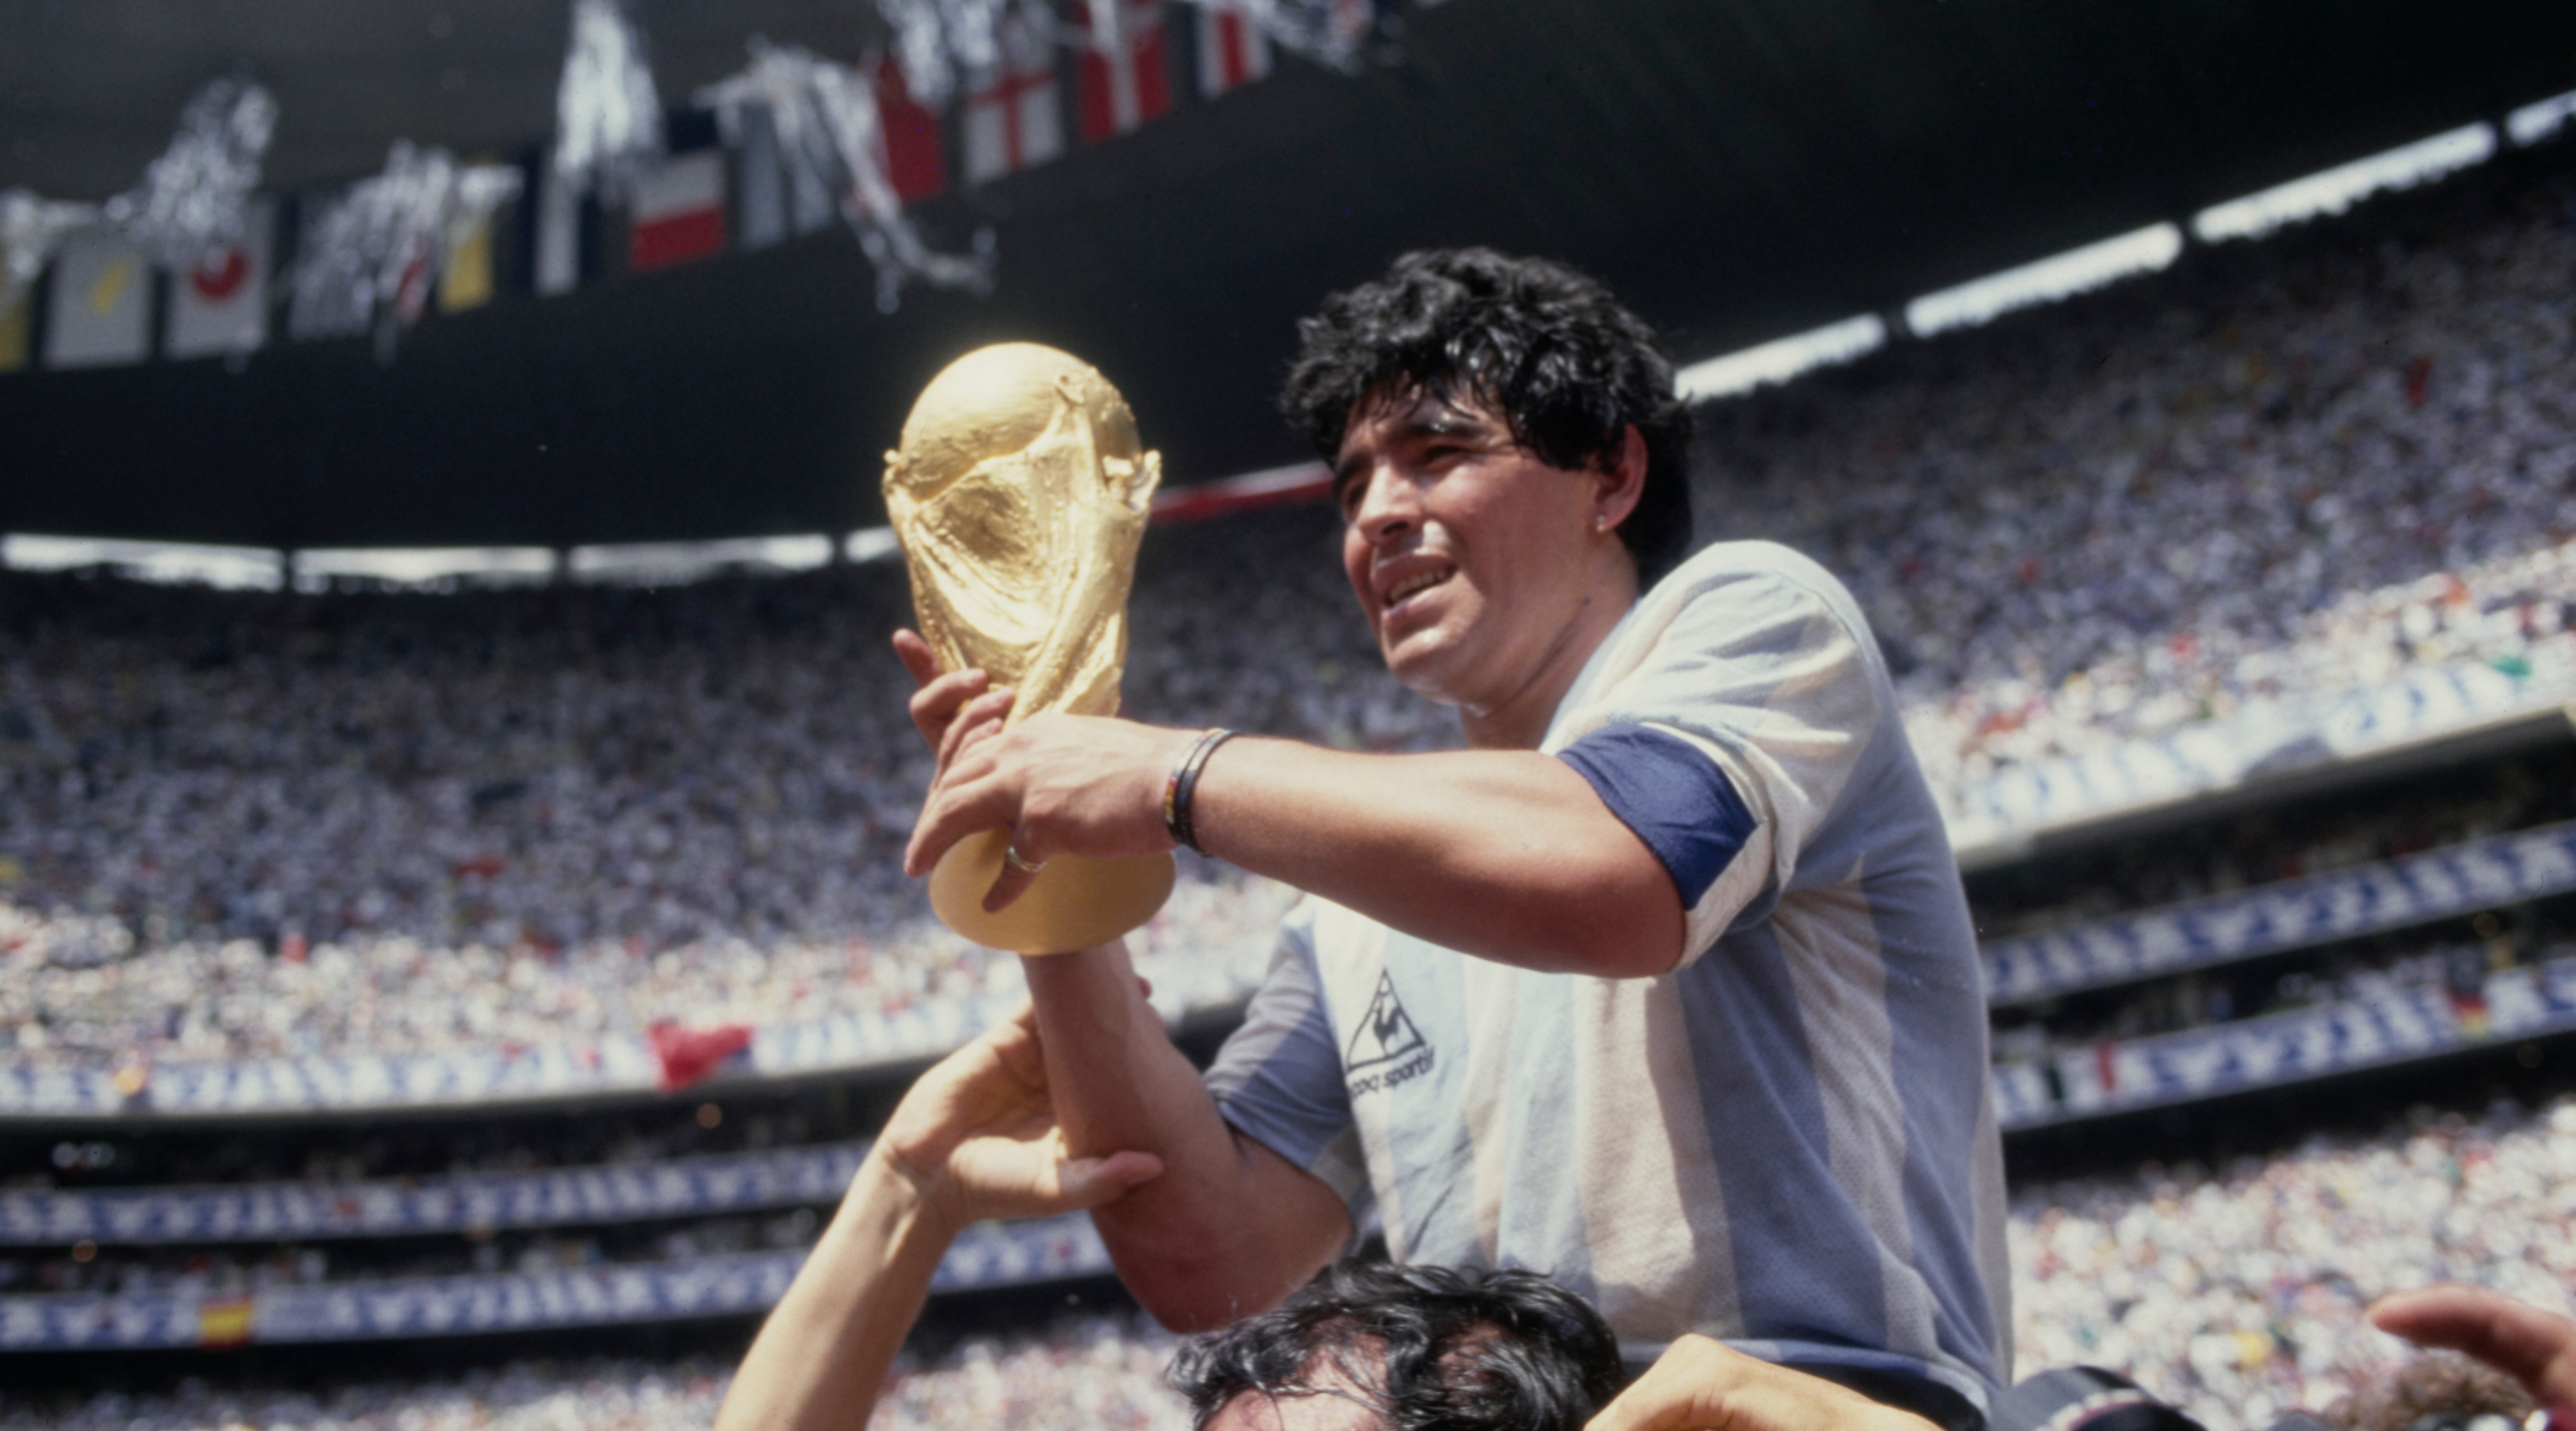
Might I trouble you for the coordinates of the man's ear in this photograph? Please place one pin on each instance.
(1620, 477)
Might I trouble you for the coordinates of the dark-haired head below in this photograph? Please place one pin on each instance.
(1392, 1347)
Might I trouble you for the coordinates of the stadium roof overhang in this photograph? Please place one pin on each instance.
(1735, 168)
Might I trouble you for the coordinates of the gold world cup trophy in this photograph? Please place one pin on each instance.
(1019, 495)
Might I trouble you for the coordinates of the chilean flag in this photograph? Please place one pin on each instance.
(221, 305)
(1233, 51)
(1011, 117)
(909, 133)
(1126, 77)
(679, 212)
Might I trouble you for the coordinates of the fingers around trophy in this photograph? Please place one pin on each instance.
(917, 657)
(954, 811)
(980, 719)
(934, 706)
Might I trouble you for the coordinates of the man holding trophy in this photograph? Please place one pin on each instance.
(1664, 986)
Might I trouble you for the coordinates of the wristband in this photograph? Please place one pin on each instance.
(1184, 783)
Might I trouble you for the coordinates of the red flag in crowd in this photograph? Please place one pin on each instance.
(687, 1055)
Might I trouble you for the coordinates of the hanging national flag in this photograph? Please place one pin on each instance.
(15, 317)
(468, 277)
(1232, 49)
(1011, 117)
(1126, 76)
(559, 204)
(102, 308)
(221, 305)
(760, 178)
(679, 212)
(914, 161)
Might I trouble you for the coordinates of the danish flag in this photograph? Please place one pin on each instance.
(1126, 77)
(1011, 117)
(1233, 51)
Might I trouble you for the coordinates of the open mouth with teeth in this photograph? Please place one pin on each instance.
(1413, 586)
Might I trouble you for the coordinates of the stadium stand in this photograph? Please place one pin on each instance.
(2236, 1292)
(2284, 511)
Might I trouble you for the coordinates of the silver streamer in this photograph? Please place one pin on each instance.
(371, 257)
(189, 206)
(30, 230)
(937, 40)
(608, 116)
(829, 130)
(1332, 33)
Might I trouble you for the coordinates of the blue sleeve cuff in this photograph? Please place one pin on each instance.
(1667, 790)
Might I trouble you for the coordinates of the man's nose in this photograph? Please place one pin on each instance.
(1388, 506)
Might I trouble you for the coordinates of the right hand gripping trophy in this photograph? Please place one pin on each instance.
(1019, 496)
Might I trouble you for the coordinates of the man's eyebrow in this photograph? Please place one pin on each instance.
(1428, 417)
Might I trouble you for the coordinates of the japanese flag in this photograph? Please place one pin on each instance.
(221, 305)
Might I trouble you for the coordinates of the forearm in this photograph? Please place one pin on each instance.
(1228, 1229)
(1507, 855)
(822, 1355)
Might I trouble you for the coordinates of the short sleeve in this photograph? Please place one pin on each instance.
(1278, 1079)
(1760, 675)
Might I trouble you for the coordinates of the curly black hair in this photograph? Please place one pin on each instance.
(1542, 345)
(1426, 1348)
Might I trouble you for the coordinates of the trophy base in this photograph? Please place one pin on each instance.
(1073, 904)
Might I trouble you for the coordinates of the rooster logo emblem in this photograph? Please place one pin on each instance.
(1386, 1033)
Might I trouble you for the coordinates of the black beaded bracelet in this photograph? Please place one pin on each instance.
(1185, 782)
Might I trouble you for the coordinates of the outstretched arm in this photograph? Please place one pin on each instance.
(1231, 1227)
(2533, 1347)
(1505, 854)
(973, 1139)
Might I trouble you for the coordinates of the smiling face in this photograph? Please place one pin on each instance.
(1488, 575)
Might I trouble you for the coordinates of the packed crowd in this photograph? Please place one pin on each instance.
(481, 818)
(226, 1270)
(2236, 1292)
(2282, 842)
(2286, 468)
(243, 825)
(1091, 1374)
(2458, 970)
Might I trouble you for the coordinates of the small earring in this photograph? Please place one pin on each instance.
(1600, 524)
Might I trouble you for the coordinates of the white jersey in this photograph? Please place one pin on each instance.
(1786, 1143)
